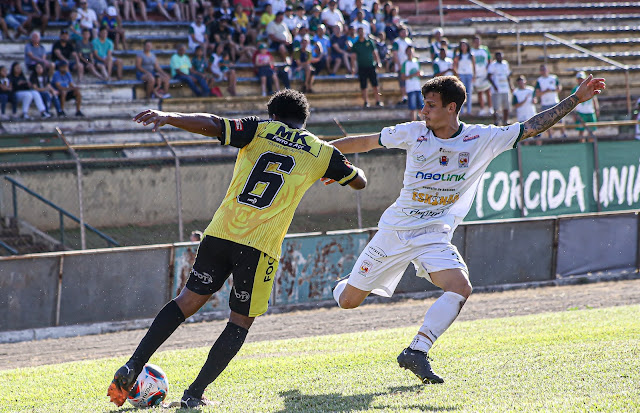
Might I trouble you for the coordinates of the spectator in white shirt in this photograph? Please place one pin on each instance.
(331, 16)
(361, 22)
(88, 18)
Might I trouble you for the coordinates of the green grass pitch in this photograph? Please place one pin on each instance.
(574, 361)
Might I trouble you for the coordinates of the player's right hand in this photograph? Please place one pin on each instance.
(157, 117)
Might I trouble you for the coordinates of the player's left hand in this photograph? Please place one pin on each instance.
(157, 117)
(589, 88)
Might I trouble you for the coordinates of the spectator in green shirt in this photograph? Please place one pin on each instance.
(182, 69)
(103, 53)
(364, 52)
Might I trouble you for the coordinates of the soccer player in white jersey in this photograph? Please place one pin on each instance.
(445, 162)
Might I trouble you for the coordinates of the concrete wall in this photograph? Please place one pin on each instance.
(135, 282)
(146, 195)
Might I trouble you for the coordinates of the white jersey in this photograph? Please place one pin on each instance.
(441, 176)
(528, 109)
(548, 83)
(500, 72)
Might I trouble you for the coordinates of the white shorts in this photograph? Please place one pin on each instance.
(382, 263)
(481, 84)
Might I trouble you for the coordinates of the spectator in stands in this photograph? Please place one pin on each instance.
(392, 23)
(290, 19)
(297, 39)
(360, 22)
(435, 45)
(302, 68)
(99, 6)
(340, 49)
(88, 18)
(481, 83)
(244, 49)
(41, 82)
(63, 83)
(366, 14)
(264, 66)
(524, 99)
(200, 65)
(316, 18)
(346, 7)
(301, 17)
(589, 111)
(34, 53)
(75, 31)
(322, 54)
(35, 16)
(198, 34)
(4, 27)
(242, 25)
(352, 35)
(156, 80)
(191, 7)
(399, 53)
(365, 58)
(103, 53)
(547, 90)
(86, 56)
(14, 19)
(166, 6)
(384, 52)
(115, 31)
(24, 93)
(410, 72)
(220, 68)
(279, 6)
(266, 17)
(225, 11)
(142, 7)
(84, 50)
(280, 36)
(63, 6)
(6, 92)
(377, 22)
(64, 51)
(443, 65)
(331, 16)
(464, 65)
(499, 74)
(182, 70)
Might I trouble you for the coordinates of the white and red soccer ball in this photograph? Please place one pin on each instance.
(151, 387)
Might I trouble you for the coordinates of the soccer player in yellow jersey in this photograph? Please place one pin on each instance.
(277, 162)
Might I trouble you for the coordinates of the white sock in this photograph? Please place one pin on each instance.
(437, 319)
(338, 290)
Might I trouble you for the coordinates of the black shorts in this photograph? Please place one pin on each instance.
(369, 73)
(253, 274)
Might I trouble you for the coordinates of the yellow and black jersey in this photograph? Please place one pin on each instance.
(276, 165)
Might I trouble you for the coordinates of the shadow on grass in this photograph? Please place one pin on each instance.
(294, 401)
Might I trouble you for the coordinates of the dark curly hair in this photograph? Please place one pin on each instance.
(289, 105)
(450, 88)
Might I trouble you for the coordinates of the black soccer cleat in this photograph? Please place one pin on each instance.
(188, 401)
(418, 363)
(122, 384)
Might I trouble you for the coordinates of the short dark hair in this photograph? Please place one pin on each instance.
(450, 88)
(289, 104)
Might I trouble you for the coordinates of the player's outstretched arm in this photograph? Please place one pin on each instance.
(203, 123)
(360, 181)
(539, 123)
(357, 144)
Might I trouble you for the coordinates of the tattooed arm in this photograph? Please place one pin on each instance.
(544, 120)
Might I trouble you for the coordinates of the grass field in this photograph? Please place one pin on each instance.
(581, 360)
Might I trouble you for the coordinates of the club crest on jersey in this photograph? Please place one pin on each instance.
(463, 160)
(470, 138)
(444, 160)
(365, 267)
(238, 123)
(422, 139)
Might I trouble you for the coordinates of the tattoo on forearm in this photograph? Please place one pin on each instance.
(544, 120)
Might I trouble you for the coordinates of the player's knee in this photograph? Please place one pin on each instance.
(241, 320)
(347, 302)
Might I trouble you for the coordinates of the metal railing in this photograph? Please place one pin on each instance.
(492, 9)
(598, 56)
(61, 212)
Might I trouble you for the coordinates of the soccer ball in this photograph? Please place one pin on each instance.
(151, 387)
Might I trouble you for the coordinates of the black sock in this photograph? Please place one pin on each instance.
(224, 349)
(165, 323)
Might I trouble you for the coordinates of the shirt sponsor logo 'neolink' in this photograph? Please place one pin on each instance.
(440, 177)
